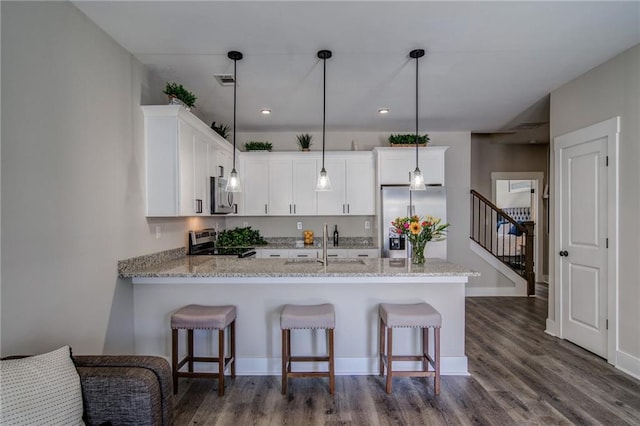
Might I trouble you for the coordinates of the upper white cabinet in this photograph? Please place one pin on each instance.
(394, 165)
(255, 185)
(353, 184)
(279, 184)
(178, 151)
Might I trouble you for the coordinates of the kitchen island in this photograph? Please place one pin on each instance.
(260, 287)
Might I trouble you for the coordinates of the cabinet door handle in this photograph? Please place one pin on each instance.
(265, 209)
(274, 255)
(348, 208)
(220, 171)
(303, 255)
(289, 208)
(363, 255)
(294, 209)
(332, 255)
(198, 206)
(343, 209)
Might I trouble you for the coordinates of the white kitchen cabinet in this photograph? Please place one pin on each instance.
(337, 253)
(353, 183)
(280, 178)
(279, 184)
(272, 253)
(303, 254)
(176, 161)
(362, 253)
(394, 165)
(255, 186)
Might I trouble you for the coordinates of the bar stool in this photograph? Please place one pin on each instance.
(307, 317)
(418, 315)
(198, 317)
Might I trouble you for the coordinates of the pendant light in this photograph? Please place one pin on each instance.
(233, 183)
(324, 184)
(417, 180)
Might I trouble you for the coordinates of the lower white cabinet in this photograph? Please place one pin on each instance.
(360, 253)
(272, 253)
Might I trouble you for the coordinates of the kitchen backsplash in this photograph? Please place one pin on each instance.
(348, 226)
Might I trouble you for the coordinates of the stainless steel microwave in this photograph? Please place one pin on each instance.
(221, 200)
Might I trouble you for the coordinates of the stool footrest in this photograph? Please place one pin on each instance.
(308, 374)
(308, 358)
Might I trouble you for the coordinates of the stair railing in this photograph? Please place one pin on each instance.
(485, 220)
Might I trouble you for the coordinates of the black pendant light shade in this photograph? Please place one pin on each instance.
(417, 180)
(233, 183)
(324, 184)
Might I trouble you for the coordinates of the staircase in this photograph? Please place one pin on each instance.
(515, 253)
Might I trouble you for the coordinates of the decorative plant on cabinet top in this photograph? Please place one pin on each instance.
(304, 140)
(177, 91)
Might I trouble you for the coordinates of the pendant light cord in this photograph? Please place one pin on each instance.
(235, 83)
(417, 112)
(324, 104)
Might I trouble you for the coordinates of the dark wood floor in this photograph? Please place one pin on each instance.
(519, 375)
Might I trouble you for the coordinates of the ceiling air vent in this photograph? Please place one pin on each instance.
(225, 79)
(527, 126)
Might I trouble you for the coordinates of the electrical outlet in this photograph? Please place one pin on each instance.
(245, 224)
(367, 224)
(299, 226)
(158, 232)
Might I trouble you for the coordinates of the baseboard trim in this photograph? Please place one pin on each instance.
(551, 328)
(450, 365)
(629, 364)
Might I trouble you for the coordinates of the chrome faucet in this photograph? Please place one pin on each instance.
(324, 245)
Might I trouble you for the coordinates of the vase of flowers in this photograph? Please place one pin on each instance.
(419, 231)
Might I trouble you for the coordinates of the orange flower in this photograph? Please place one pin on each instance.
(415, 228)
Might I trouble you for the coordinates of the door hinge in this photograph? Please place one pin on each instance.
(607, 161)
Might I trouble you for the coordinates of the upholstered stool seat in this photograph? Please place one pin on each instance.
(199, 317)
(416, 315)
(307, 317)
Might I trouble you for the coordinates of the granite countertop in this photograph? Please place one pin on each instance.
(176, 264)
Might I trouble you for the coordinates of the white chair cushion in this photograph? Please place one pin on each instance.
(40, 390)
(308, 316)
(410, 315)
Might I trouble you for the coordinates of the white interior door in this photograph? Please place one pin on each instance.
(582, 220)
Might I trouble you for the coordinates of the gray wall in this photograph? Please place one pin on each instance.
(609, 90)
(72, 182)
(487, 157)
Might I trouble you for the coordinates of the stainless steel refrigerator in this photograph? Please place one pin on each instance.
(398, 201)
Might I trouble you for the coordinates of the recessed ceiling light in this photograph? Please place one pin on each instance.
(383, 111)
(265, 111)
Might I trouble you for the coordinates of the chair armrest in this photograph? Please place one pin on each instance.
(126, 389)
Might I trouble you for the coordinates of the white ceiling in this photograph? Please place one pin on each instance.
(486, 62)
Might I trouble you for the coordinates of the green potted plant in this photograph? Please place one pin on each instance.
(223, 129)
(304, 140)
(258, 146)
(408, 139)
(176, 92)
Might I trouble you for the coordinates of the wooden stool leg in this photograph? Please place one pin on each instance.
(425, 348)
(233, 348)
(382, 348)
(190, 352)
(174, 358)
(436, 348)
(221, 362)
(389, 358)
(285, 356)
(332, 373)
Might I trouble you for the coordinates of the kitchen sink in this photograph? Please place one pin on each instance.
(331, 262)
